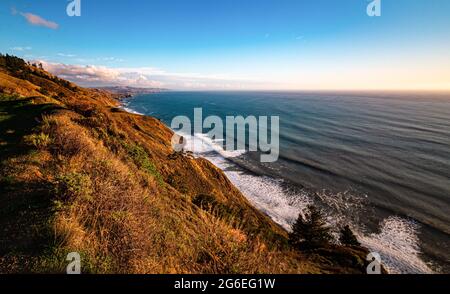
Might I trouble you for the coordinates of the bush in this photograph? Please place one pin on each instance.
(9, 97)
(310, 232)
(74, 185)
(347, 237)
(40, 141)
(142, 160)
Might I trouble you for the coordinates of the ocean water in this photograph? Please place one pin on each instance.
(377, 161)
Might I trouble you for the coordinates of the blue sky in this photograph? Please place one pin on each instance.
(236, 44)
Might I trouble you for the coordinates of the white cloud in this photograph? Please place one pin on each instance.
(66, 55)
(147, 77)
(19, 48)
(91, 75)
(91, 60)
(111, 59)
(177, 80)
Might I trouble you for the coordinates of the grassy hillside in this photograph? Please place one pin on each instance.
(78, 174)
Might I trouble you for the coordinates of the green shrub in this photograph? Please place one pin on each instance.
(40, 141)
(142, 160)
(9, 97)
(74, 185)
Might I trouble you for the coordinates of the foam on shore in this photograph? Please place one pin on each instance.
(124, 106)
(396, 243)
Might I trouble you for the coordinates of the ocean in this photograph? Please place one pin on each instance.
(378, 161)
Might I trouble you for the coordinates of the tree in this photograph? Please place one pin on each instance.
(310, 232)
(347, 237)
(2, 60)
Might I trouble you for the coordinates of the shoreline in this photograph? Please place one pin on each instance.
(286, 208)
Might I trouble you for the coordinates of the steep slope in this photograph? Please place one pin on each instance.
(80, 175)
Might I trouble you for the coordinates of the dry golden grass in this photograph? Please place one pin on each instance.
(12, 85)
(123, 221)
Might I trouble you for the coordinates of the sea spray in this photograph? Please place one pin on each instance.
(257, 136)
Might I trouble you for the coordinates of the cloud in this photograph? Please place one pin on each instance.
(36, 20)
(92, 60)
(66, 55)
(147, 77)
(111, 59)
(19, 48)
(89, 73)
(96, 76)
(193, 81)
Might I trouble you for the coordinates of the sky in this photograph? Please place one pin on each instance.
(235, 44)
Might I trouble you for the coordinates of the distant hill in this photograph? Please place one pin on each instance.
(126, 91)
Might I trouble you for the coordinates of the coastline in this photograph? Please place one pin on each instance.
(221, 163)
(396, 240)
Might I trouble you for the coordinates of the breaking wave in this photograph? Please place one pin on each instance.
(396, 242)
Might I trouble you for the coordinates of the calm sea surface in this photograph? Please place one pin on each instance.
(379, 161)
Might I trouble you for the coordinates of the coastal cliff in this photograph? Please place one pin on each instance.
(78, 174)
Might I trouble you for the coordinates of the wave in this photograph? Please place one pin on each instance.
(201, 144)
(265, 193)
(132, 111)
(124, 107)
(398, 245)
(397, 241)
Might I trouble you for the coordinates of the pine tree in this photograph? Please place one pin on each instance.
(347, 237)
(311, 231)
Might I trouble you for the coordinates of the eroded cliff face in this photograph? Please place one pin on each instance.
(80, 175)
